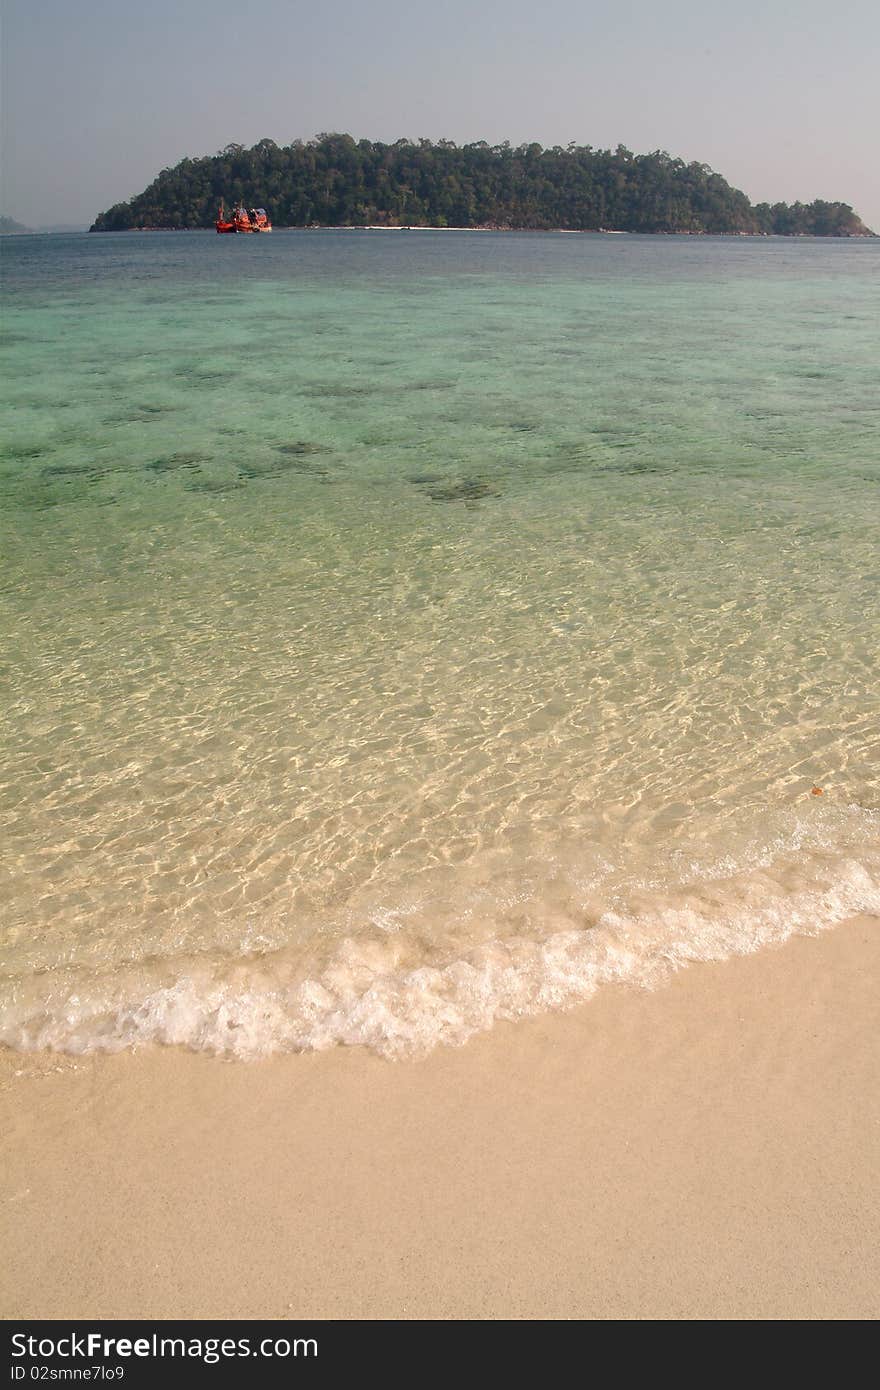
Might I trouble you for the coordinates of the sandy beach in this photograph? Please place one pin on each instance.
(708, 1150)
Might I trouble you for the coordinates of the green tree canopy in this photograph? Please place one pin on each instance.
(335, 180)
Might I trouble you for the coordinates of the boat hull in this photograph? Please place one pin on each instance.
(227, 228)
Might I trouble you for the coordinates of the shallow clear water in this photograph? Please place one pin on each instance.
(403, 631)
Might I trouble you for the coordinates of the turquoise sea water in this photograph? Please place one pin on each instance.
(406, 630)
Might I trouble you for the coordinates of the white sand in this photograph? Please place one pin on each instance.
(707, 1151)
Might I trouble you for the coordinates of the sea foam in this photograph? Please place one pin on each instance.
(254, 1006)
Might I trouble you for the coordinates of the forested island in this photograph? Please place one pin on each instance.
(9, 227)
(337, 181)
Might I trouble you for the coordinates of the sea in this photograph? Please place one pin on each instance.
(407, 631)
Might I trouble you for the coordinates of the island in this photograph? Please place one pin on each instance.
(337, 181)
(9, 227)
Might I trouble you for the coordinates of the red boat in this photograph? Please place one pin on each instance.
(243, 220)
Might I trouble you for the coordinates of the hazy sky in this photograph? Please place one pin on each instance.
(98, 95)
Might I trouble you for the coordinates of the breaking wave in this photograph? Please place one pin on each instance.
(372, 990)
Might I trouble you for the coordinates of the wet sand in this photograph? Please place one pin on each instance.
(709, 1150)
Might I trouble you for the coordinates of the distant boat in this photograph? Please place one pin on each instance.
(243, 220)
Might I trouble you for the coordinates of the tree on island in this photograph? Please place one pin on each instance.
(337, 181)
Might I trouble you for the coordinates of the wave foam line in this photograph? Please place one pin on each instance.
(360, 999)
